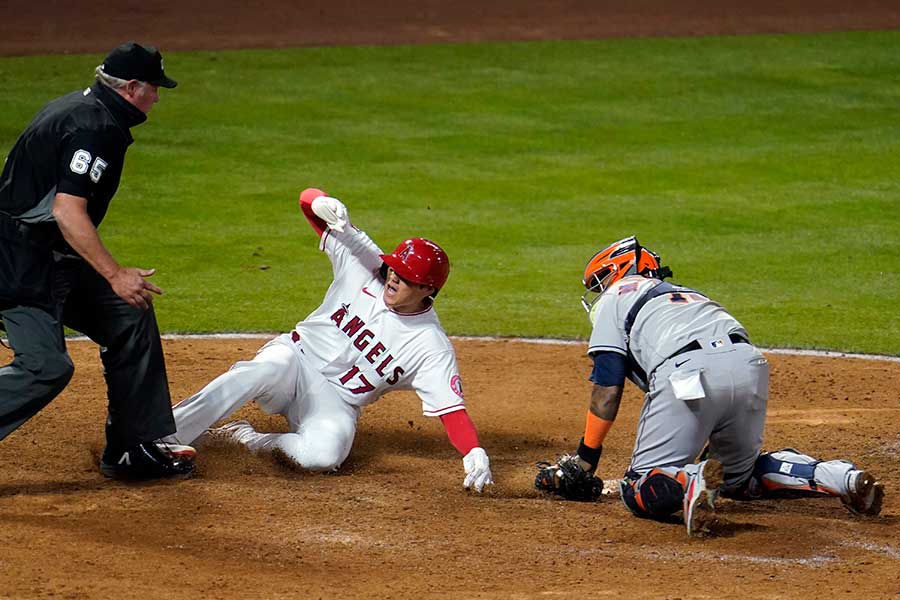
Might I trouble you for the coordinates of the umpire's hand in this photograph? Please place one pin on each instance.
(131, 286)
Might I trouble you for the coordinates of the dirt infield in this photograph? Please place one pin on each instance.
(395, 523)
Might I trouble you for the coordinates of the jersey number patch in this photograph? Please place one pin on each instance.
(98, 168)
(81, 163)
(362, 389)
(679, 298)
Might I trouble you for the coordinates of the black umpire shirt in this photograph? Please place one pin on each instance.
(75, 145)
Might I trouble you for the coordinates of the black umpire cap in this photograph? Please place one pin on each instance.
(133, 61)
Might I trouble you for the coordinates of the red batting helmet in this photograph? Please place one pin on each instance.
(420, 261)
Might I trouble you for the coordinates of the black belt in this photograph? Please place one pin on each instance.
(735, 338)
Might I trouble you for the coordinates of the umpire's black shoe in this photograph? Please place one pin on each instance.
(144, 461)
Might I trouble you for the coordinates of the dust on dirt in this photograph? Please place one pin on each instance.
(395, 522)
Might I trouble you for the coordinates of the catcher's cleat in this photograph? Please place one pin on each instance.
(144, 461)
(866, 494)
(700, 497)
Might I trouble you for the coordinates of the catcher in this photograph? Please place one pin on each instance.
(704, 384)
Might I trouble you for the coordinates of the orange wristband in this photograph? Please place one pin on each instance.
(595, 430)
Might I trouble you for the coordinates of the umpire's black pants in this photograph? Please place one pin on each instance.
(140, 408)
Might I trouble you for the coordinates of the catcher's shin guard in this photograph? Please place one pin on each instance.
(790, 472)
(783, 471)
(656, 494)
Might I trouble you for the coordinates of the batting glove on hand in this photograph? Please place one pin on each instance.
(478, 469)
(332, 211)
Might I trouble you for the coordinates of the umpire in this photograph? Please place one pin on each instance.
(56, 187)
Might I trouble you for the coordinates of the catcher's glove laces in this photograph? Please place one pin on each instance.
(567, 478)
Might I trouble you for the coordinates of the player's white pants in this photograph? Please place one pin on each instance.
(280, 380)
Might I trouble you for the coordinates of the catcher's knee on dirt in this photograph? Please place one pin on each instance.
(655, 494)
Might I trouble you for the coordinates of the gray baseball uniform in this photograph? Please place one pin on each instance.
(702, 378)
(704, 382)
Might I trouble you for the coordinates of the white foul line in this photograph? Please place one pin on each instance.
(468, 338)
(548, 341)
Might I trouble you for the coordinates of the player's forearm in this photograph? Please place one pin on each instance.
(75, 224)
(605, 402)
(306, 199)
(461, 431)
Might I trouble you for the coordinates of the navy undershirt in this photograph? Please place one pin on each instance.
(609, 369)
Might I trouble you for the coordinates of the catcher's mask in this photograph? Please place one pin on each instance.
(420, 261)
(621, 259)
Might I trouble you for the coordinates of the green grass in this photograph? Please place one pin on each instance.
(764, 170)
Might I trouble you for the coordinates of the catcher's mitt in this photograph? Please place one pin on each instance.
(568, 479)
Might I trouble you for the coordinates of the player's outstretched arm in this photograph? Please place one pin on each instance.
(464, 438)
(609, 381)
(602, 413)
(322, 211)
(572, 475)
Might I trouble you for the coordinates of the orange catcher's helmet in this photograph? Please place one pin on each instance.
(420, 261)
(621, 259)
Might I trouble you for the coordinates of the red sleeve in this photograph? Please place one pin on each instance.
(460, 430)
(306, 198)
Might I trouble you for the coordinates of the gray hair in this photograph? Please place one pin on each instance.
(108, 80)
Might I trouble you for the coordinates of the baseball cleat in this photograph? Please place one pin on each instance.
(700, 497)
(866, 494)
(177, 450)
(144, 461)
(236, 431)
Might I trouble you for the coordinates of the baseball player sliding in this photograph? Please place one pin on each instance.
(704, 383)
(375, 331)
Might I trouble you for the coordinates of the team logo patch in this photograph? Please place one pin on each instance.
(628, 288)
(456, 385)
(405, 252)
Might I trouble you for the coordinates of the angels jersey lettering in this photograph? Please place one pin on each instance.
(363, 347)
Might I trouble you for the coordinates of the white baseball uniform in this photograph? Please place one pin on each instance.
(345, 355)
